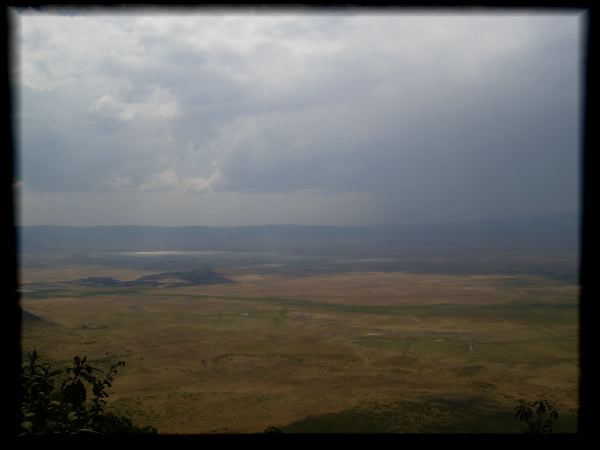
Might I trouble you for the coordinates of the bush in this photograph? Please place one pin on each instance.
(48, 407)
(539, 415)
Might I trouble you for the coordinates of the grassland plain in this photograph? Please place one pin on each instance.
(358, 352)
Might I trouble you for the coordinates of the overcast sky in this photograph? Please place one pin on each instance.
(237, 118)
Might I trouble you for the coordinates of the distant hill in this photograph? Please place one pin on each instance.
(546, 233)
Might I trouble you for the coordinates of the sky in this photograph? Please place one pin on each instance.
(240, 117)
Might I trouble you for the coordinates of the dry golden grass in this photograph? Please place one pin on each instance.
(241, 357)
(389, 288)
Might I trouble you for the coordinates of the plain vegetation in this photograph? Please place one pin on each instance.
(358, 351)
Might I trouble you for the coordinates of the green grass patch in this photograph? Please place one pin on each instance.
(406, 417)
(396, 345)
(440, 416)
(523, 311)
(437, 349)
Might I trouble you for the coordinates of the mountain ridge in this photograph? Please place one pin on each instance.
(556, 232)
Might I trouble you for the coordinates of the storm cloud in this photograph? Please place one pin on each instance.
(237, 118)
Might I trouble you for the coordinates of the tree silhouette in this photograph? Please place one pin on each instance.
(48, 407)
(539, 415)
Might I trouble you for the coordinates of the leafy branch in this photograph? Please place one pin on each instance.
(539, 415)
(49, 408)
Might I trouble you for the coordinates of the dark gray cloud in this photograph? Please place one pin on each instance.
(307, 118)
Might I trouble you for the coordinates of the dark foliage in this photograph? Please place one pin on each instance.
(50, 406)
(539, 416)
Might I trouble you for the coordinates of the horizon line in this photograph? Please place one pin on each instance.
(577, 214)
